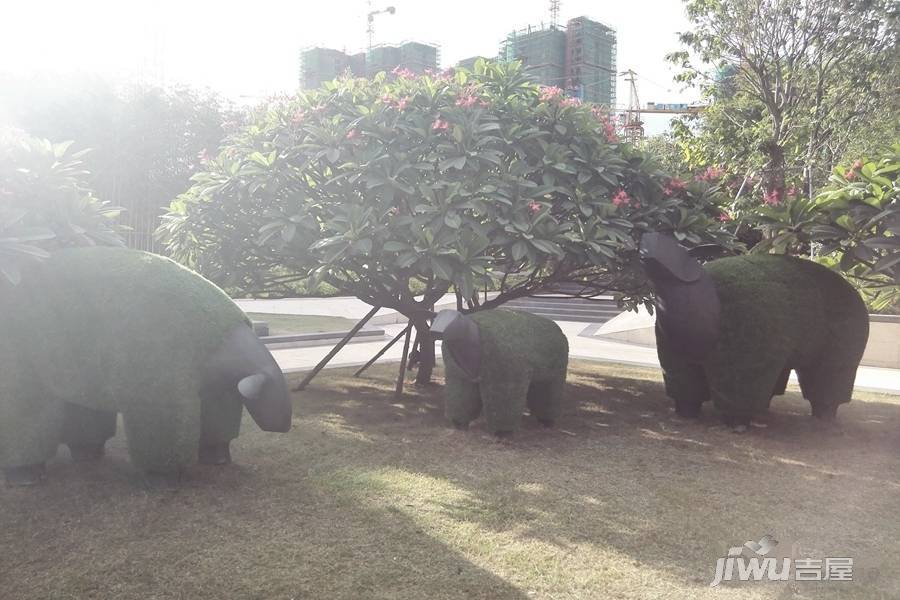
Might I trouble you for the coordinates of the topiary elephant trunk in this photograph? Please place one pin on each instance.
(734, 329)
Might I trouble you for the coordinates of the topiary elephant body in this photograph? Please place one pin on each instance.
(499, 362)
(101, 331)
(733, 329)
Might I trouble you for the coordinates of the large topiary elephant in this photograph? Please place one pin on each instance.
(92, 332)
(733, 330)
(501, 361)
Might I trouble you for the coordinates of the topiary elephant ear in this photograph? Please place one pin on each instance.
(663, 255)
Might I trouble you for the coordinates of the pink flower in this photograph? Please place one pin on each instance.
(724, 217)
(483, 103)
(387, 99)
(621, 198)
(773, 198)
(534, 207)
(570, 102)
(851, 175)
(203, 156)
(440, 125)
(711, 174)
(674, 187)
(402, 103)
(467, 101)
(550, 93)
(353, 134)
(298, 117)
(857, 165)
(609, 128)
(793, 192)
(403, 73)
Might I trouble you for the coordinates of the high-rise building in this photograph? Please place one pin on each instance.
(318, 65)
(419, 57)
(581, 58)
(542, 51)
(591, 61)
(469, 63)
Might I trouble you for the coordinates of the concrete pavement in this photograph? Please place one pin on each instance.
(581, 343)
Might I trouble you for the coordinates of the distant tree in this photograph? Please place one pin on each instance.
(793, 83)
(145, 142)
(854, 224)
(401, 185)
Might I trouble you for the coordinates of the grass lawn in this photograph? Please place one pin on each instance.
(288, 324)
(369, 497)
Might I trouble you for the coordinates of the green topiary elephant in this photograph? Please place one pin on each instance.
(98, 331)
(501, 361)
(733, 329)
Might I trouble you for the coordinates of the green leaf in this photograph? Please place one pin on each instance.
(395, 246)
(455, 163)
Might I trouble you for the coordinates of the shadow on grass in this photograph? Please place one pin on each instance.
(623, 475)
(374, 497)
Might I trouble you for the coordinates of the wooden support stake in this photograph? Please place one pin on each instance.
(381, 352)
(398, 391)
(309, 377)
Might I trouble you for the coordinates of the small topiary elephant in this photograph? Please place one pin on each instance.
(501, 361)
(734, 328)
(92, 332)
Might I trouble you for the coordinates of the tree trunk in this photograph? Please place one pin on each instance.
(426, 352)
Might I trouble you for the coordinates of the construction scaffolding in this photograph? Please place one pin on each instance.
(542, 51)
(318, 65)
(580, 57)
(591, 61)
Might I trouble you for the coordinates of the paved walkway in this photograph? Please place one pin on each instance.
(293, 360)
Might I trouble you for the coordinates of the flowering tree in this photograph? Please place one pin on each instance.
(46, 204)
(852, 225)
(398, 186)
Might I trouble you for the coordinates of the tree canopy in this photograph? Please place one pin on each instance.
(470, 181)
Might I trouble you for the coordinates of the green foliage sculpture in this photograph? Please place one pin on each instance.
(733, 329)
(402, 186)
(100, 331)
(499, 362)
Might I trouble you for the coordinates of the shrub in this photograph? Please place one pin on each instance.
(45, 203)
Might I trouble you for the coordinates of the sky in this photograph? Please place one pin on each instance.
(248, 51)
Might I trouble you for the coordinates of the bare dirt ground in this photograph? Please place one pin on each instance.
(369, 497)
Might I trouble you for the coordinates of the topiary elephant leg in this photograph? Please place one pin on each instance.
(686, 384)
(781, 384)
(504, 400)
(826, 387)
(462, 399)
(545, 400)
(163, 435)
(29, 436)
(685, 381)
(220, 423)
(741, 394)
(86, 430)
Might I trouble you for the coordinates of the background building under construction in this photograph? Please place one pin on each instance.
(581, 58)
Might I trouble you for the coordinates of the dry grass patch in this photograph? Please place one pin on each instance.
(369, 497)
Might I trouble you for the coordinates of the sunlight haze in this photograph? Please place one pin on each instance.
(249, 51)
